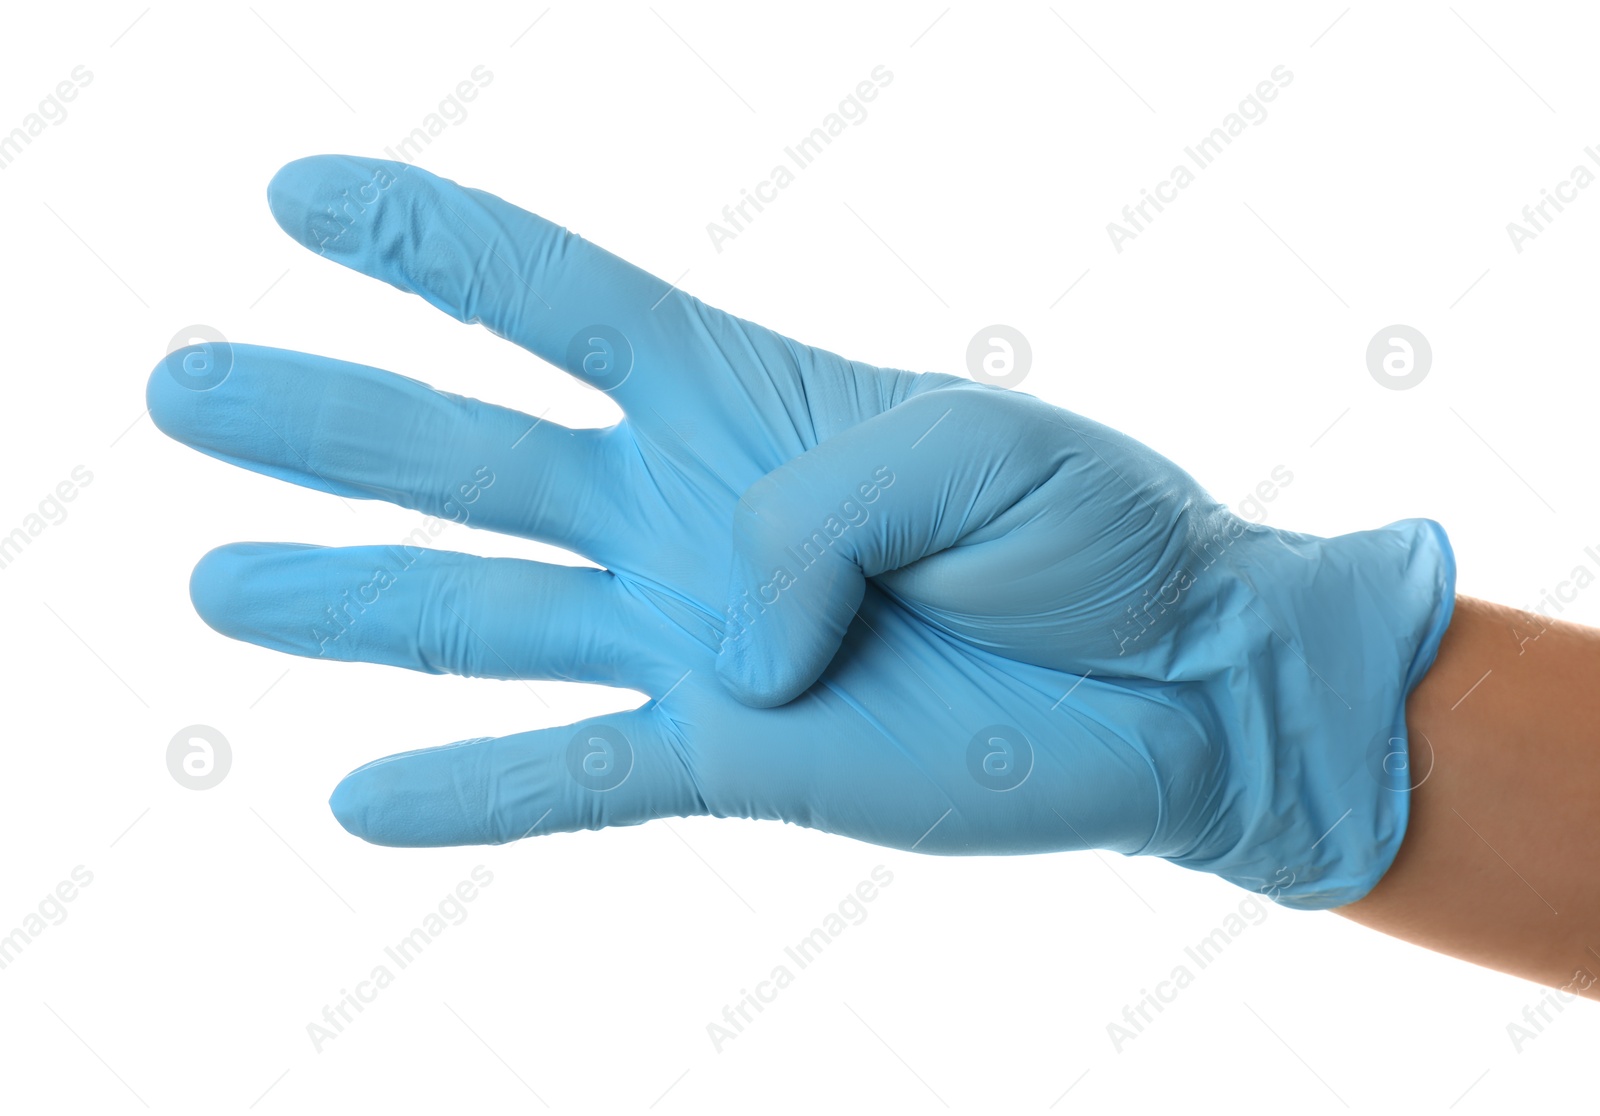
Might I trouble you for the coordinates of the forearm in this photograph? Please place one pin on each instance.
(1499, 858)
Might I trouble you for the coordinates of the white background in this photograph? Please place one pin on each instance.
(1230, 335)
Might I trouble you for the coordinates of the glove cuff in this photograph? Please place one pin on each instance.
(1315, 803)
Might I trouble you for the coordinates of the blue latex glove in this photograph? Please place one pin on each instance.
(904, 608)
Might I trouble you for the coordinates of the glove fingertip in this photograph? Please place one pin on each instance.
(349, 807)
(758, 680)
(293, 193)
(779, 638)
(319, 200)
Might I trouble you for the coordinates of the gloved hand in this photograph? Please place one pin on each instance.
(904, 608)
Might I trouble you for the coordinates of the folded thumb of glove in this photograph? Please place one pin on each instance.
(905, 484)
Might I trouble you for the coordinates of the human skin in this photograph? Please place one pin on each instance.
(1497, 866)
